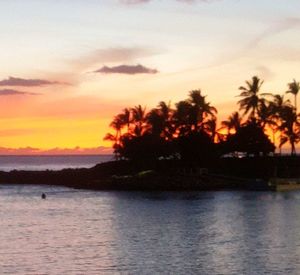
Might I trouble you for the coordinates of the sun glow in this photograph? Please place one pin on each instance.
(66, 70)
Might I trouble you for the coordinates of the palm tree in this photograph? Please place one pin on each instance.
(266, 114)
(156, 122)
(138, 118)
(167, 113)
(233, 122)
(200, 110)
(211, 128)
(294, 88)
(165, 109)
(290, 128)
(277, 105)
(126, 118)
(117, 125)
(181, 117)
(251, 99)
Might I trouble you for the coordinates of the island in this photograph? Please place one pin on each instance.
(183, 147)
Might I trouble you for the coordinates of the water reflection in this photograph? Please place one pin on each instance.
(121, 232)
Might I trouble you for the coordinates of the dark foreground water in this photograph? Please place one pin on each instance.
(36, 163)
(84, 232)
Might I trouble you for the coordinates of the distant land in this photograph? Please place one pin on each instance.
(101, 150)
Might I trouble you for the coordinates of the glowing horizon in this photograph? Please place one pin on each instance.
(69, 67)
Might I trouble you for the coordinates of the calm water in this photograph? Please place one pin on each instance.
(84, 232)
(8, 163)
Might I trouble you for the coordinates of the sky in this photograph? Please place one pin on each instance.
(67, 67)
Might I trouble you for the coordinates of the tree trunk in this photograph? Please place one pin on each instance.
(293, 152)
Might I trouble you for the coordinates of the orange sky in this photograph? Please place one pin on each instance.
(67, 69)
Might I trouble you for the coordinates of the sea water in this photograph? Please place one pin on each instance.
(8, 163)
(86, 232)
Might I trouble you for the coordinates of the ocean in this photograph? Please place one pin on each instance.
(37, 163)
(88, 232)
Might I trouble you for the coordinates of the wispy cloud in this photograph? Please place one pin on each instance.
(7, 92)
(276, 28)
(279, 27)
(126, 69)
(16, 81)
(112, 55)
(265, 72)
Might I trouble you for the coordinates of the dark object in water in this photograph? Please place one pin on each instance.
(43, 196)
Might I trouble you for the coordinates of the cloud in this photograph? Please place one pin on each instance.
(6, 92)
(121, 54)
(265, 72)
(111, 55)
(15, 81)
(279, 27)
(126, 69)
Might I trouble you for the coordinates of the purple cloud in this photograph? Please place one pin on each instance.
(15, 81)
(113, 54)
(6, 92)
(126, 69)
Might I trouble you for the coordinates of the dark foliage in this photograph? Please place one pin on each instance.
(250, 139)
(189, 132)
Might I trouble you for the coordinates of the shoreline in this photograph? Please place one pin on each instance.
(224, 174)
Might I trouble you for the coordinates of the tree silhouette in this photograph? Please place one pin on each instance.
(277, 104)
(210, 127)
(139, 119)
(156, 122)
(250, 139)
(182, 118)
(200, 109)
(294, 88)
(233, 122)
(251, 100)
(290, 128)
(125, 118)
(190, 130)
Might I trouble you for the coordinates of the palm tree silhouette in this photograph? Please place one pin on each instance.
(181, 117)
(139, 119)
(167, 113)
(265, 114)
(117, 125)
(155, 122)
(277, 104)
(294, 88)
(125, 118)
(290, 128)
(211, 128)
(233, 122)
(200, 109)
(251, 100)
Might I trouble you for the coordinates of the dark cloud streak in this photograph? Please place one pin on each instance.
(126, 69)
(8, 92)
(15, 81)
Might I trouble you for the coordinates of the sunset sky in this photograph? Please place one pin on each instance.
(67, 67)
